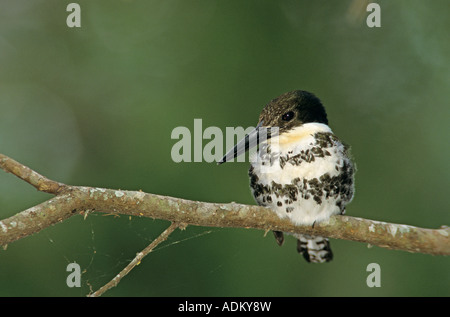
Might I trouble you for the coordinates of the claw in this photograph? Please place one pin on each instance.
(279, 237)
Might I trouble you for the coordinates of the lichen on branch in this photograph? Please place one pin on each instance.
(72, 200)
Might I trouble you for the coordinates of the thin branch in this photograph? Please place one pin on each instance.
(38, 181)
(136, 261)
(76, 199)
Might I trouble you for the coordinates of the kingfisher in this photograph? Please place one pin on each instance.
(302, 170)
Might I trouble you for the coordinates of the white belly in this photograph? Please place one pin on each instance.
(298, 184)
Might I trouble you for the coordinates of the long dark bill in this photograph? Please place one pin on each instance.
(251, 140)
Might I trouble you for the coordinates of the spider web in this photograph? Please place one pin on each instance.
(98, 263)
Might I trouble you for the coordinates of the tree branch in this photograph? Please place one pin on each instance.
(113, 283)
(72, 200)
(38, 181)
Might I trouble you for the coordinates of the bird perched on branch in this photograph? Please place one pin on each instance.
(302, 171)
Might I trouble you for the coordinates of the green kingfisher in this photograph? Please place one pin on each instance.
(301, 170)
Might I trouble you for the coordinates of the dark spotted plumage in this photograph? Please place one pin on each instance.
(303, 172)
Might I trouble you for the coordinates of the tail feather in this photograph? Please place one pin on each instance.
(314, 249)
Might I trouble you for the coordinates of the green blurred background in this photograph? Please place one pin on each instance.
(96, 106)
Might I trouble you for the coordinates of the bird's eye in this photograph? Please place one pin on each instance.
(288, 116)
